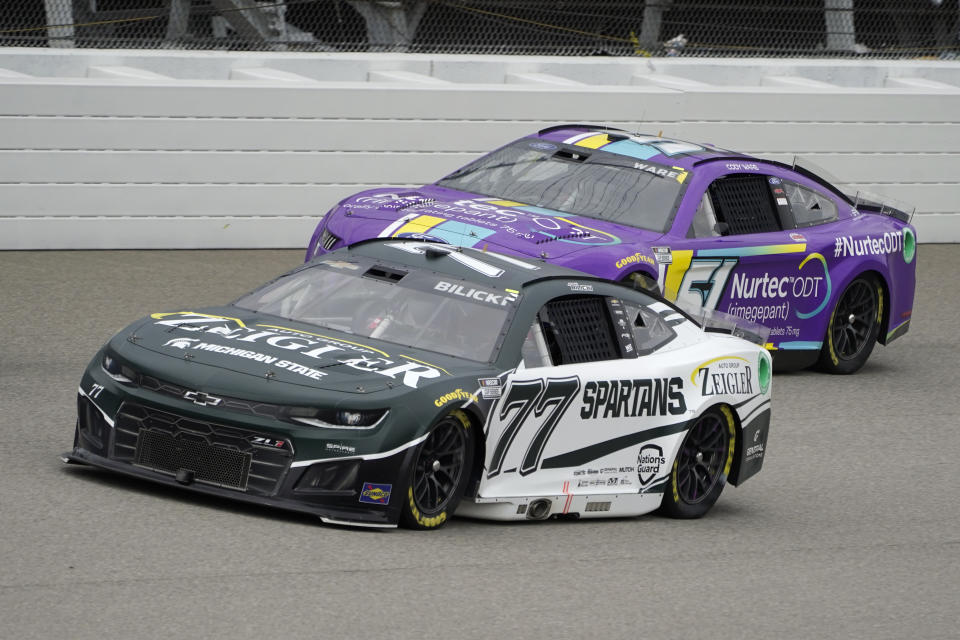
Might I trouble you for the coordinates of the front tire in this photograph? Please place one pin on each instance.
(854, 325)
(701, 466)
(439, 474)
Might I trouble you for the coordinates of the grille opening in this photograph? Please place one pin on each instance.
(220, 466)
(265, 471)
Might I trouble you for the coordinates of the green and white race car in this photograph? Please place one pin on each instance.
(401, 381)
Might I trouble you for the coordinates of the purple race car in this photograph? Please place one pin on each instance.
(708, 228)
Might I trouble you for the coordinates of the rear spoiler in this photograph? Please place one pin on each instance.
(882, 205)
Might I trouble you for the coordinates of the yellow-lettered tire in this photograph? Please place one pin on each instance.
(439, 473)
(854, 325)
(701, 466)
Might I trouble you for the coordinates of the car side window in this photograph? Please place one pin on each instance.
(650, 331)
(574, 329)
(809, 208)
(742, 204)
(705, 220)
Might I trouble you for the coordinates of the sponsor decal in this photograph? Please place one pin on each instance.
(543, 146)
(727, 375)
(743, 166)
(632, 398)
(577, 286)
(773, 180)
(473, 293)
(782, 202)
(755, 451)
(773, 295)
(798, 237)
(888, 243)
(456, 394)
(649, 461)
(635, 259)
(375, 493)
(340, 448)
(663, 254)
(490, 387)
(676, 173)
(306, 345)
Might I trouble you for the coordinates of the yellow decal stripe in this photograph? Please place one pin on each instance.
(679, 266)
(160, 316)
(594, 142)
(420, 224)
(583, 226)
(426, 363)
(320, 335)
(505, 203)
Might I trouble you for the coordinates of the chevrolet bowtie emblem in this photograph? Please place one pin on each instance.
(202, 399)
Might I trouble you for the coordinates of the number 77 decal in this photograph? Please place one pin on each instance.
(521, 399)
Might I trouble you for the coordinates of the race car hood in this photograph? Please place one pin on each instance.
(229, 346)
(464, 219)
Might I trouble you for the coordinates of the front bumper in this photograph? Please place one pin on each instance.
(230, 460)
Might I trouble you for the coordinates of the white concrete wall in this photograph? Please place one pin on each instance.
(134, 149)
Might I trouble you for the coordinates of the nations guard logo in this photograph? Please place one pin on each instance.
(649, 462)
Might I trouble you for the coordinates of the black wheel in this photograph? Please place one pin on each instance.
(701, 467)
(439, 474)
(854, 325)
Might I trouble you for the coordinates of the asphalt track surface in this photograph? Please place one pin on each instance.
(852, 529)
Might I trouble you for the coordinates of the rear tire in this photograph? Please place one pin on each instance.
(439, 473)
(701, 466)
(854, 325)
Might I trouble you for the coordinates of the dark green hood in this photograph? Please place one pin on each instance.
(230, 339)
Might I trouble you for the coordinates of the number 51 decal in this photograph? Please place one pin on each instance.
(539, 397)
(704, 280)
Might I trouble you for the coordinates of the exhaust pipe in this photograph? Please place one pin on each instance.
(539, 509)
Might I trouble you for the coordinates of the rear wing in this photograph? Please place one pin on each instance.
(865, 201)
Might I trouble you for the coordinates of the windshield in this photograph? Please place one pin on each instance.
(419, 310)
(575, 180)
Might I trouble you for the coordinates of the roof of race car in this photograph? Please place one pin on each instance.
(641, 146)
(476, 265)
